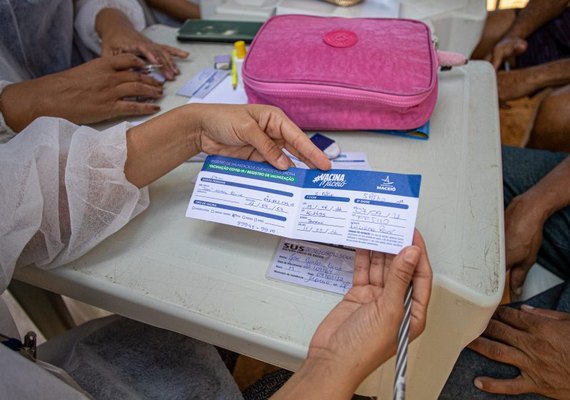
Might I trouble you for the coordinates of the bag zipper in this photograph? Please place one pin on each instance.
(311, 90)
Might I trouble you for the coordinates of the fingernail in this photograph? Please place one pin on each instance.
(478, 384)
(412, 255)
(527, 307)
(517, 290)
(283, 162)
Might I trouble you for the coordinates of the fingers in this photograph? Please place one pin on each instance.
(509, 47)
(512, 317)
(176, 52)
(497, 59)
(400, 275)
(361, 274)
(125, 62)
(157, 56)
(138, 89)
(542, 312)
(518, 385)
(518, 276)
(379, 265)
(422, 283)
(132, 76)
(497, 351)
(293, 151)
(504, 333)
(370, 267)
(123, 108)
(164, 56)
(267, 148)
(278, 125)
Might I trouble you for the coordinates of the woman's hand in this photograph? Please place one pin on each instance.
(360, 333)
(119, 36)
(258, 133)
(253, 132)
(92, 92)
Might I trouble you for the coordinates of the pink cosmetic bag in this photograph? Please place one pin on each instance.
(344, 73)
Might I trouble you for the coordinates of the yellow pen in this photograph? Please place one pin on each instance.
(234, 71)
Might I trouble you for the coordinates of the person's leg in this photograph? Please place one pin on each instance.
(496, 25)
(118, 358)
(522, 169)
(551, 129)
(471, 364)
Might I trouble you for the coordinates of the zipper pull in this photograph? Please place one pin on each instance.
(448, 59)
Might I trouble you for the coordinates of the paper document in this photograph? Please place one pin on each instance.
(202, 83)
(366, 209)
(320, 266)
(348, 160)
(223, 93)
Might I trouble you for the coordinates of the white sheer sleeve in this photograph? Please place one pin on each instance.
(62, 191)
(87, 10)
(6, 133)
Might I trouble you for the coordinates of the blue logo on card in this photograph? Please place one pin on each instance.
(330, 180)
(386, 185)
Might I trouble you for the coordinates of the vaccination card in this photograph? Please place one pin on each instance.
(364, 209)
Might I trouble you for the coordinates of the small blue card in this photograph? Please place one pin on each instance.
(421, 133)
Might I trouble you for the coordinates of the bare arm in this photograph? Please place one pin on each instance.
(551, 193)
(89, 93)
(179, 9)
(525, 218)
(533, 16)
(526, 81)
(253, 132)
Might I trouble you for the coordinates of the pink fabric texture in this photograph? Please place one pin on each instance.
(344, 73)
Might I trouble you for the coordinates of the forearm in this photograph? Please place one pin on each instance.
(21, 104)
(161, 144)
(109, 21)
(179, 9)
(551, 193)
(556, 73)
(534, 15)
(316, 381)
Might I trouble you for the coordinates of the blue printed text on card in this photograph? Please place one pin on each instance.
(365, 209)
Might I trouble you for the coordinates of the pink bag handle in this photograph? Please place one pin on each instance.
(448, 59)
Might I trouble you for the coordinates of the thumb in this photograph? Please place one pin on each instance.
(400, 275)
(268, 149)
(520, 46)
(518, 276)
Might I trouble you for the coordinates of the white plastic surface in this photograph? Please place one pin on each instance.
(456, 23)
(208, 281)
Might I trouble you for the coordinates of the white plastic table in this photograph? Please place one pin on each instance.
(207, 280)
(457, 23)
